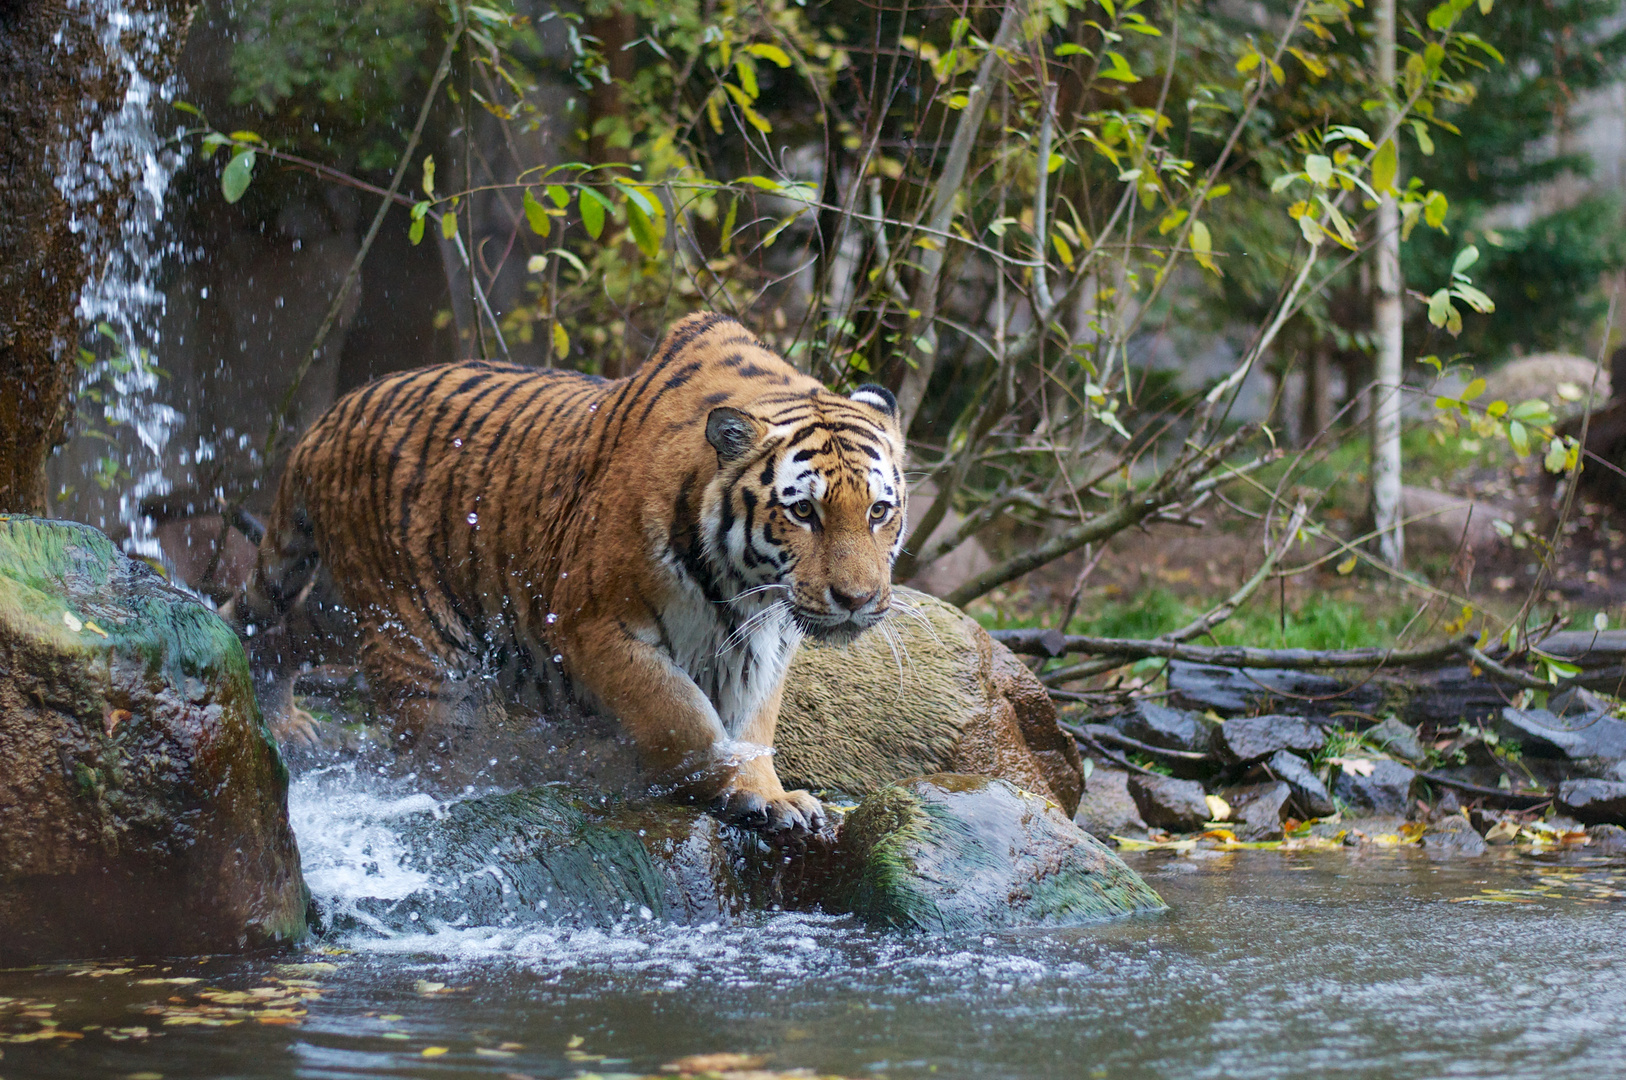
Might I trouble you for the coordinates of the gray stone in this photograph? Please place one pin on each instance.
(1398, 738)
(1606, 840)
(1107, 808)
(1596, 802)
(1246, 739)
(1577, 701)
(1167, 803)
(1233, 690)
(1159, 725)
(1541, 733)
(1310, 797)
(946, 853)
(1453, 835)
(1256, 810)
(143, 805)
(1386, 791)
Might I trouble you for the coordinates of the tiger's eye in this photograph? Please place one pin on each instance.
(803, 510)
(878, 511)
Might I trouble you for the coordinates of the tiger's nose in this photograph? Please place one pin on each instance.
(850, 601)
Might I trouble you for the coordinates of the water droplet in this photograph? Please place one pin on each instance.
(593, 407)
(474, 518)
(457, 443)
(558, 658)
(552, 618)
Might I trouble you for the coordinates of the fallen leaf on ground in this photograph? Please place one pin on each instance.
(713, 1063)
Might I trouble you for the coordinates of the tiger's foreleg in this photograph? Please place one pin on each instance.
(680, 737)
(284, 567)
(758, 792)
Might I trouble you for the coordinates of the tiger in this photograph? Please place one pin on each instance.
(659, 543)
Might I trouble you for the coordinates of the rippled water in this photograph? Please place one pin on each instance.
(1342, 964)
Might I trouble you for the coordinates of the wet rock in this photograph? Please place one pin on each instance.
(1606, 840)
(857, 717)
(1453, 835)
(1595, 737)
(1233, 690)
(1246, 739)
(1257, 810)
(1309, 795)
(1577, 701)
(1107, 808)
(1386, 791)
(1397, 738)
(946, 853)
(1159, 725)
(143, 807)
(1596, 802)
(1167, 803)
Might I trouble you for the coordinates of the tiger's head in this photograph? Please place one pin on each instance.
(810, 504)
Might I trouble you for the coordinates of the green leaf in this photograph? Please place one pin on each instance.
(246, 136)
(415, 231)
(1384, 168)
(728, 224)
(1439, 307)
(1534, 411)
(448, 224)
(643, 230)
(1319, 167)
(1557, 456)
(1434, 209)
(771, 53)
(187, 107)
(535, 215)
(1120, 70)
(1425, 142)
(1063, 250)
(1465, 258)
(560, 197)
(1519, 437)
(748, 81)
(593, 205)
(1475, 299)
(561, 341)
(235, 177)
(1473, 390)
(429, 175)
(1070, 49)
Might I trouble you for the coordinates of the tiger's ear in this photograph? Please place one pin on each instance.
(876, 397)
(730, 432)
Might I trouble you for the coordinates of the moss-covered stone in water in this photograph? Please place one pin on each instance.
(143, 806)
(950, 852)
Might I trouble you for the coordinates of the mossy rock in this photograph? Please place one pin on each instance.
(143, 805)
(952, 852)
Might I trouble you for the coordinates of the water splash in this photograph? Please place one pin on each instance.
(115, 173)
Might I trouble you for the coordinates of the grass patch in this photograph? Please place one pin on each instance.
(1318, 621)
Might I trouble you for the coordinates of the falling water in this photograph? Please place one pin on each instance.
(119, 154)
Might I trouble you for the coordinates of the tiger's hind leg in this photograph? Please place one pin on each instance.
(432, 705)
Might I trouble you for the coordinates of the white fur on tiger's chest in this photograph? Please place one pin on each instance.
(736, 668)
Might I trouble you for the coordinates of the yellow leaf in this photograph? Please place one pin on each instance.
(1384, 167)
(1218, 808)
(1347, 566)
(561, 341)
(1062, 250)
(435, 1051)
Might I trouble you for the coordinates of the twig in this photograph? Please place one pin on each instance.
(1106, 734)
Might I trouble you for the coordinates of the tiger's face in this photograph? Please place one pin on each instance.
(812, 505)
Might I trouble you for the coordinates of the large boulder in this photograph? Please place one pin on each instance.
(143, 806)
(927, 692)
(935, 853)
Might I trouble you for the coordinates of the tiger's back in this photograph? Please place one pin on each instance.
(657, 543)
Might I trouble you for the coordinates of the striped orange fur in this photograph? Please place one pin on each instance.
(658, 544)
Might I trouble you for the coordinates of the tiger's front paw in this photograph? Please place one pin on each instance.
(295, 725)
(789, 812)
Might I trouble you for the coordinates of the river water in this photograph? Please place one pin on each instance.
(1354, 963)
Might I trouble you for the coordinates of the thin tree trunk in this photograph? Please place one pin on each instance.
(1386, 318)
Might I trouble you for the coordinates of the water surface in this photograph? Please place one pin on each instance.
(1381, 964)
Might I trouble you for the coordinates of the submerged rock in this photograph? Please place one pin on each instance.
(143, 806)
(933, 693)
(1167, 803)
(937, 853)
(945, 853)
(1606, 840)
(1386, 791)
(1453, 835)
(1106, 808)
(1246, 739)
(1397, 738)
